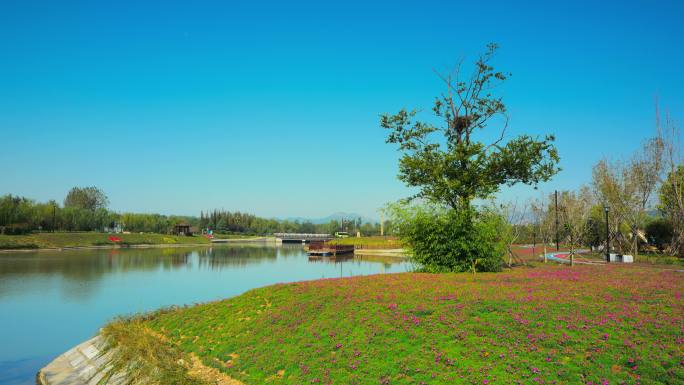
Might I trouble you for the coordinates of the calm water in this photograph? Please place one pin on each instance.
(50, 301)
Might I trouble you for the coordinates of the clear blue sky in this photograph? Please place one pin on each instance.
(174, 107)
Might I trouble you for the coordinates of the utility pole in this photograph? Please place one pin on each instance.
(54, 210)
(607, 236)
(557, 239)
(534, 241)
(382, 223)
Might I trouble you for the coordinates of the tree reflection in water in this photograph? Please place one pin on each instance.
(81, 270)
(51, 300)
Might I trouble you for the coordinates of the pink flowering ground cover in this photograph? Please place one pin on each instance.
(545, 325)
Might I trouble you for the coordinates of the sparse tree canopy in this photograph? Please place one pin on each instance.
(672, 188)
(671, 194)
(575, 210)
(671, 206)
(543, 220)
(89, 198)
(628, 189)
(447, 162)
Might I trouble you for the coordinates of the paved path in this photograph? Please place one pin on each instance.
(564, 257)
(81, 365)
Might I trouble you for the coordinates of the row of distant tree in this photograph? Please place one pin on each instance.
(85, 209)
(238, 222)
(642, 195)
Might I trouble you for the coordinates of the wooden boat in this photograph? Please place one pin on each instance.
(321, 248)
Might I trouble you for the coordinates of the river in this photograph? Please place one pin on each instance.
(51, 301)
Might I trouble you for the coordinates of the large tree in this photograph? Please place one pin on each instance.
(447, 161)
(89, 198)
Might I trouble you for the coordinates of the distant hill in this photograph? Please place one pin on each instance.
(336, 217)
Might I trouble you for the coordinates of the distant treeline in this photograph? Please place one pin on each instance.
(19, 215)
(85, 209)
(243, 223)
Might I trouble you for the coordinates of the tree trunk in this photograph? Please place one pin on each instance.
(572, 256)
(572, 251)
(636, 243)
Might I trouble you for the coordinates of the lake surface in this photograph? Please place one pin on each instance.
(51, 301)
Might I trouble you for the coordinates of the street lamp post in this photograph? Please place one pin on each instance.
(557, 240)
(534, 241)
(606, 209)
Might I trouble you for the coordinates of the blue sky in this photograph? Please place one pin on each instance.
(272, 107)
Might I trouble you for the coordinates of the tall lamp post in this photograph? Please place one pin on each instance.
(606, 209)
(557, 240)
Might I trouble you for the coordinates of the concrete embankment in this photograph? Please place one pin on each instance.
(84, 364)
(381, 252)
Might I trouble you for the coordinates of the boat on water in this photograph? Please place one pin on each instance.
(322, 248)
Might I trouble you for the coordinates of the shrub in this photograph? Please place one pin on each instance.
(442, 239)
(16, 229)
(659, 232)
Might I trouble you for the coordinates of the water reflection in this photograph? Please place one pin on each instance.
(49, 301)
(80, 270)
(222, 257)
(90, 264)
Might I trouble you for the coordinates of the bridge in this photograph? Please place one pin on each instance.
(301, 237)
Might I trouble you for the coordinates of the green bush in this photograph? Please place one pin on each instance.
(442, 239)
(14, 230)
(659, 232)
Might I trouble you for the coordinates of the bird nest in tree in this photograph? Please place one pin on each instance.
(461, 123)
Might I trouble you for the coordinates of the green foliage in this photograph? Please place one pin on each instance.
(671, 193)
(19, 215)
(370, 242)
(443, 239)
(596, 227)
(89, 198)
(154, 223)
(659, 232)
(235, 222)
(447, 164)
(16, 214)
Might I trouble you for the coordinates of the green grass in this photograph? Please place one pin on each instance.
(57, 240)
(370, 242)
(545, 325)
(658, 259)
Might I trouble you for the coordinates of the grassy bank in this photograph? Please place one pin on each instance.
(546, 325)
(58, 240)
(370, 242)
